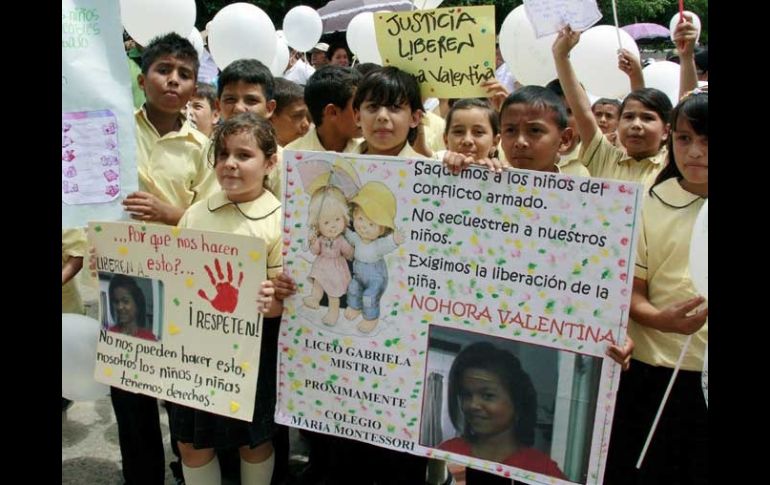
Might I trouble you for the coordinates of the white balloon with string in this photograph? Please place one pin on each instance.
(281, 59)
(241, 31)
(303, 28)
(147, 19)
(595, 59)
(362, 40)
(197, 41)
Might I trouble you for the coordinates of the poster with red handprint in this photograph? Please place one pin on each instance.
(179, 314)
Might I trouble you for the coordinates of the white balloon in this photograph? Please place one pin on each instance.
(303, 28)
(79, 335)
(426, 4)
(362, 39)
(146, 19)
(699, 251)
(663, 75)
(529, 58)
(595, 60)
(241, 31)
(281, 59)
(197, 41)
(675, 20)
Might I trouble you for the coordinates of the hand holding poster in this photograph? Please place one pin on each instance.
(179, 314)
(411, 278)
(549, 16)
(451, 51)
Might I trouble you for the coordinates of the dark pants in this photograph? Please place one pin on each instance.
(678, 453)
(141, 442)
(357, 463)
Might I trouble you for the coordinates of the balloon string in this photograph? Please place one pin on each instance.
(617, 27)
(663, 402)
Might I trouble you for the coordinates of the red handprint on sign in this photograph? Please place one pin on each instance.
(226, 298)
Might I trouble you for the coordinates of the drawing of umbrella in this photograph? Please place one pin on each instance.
(336, 15)
(646, 31)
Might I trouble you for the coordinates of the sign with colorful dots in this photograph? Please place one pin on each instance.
(179, 314)
(451, 51)
(413, 282)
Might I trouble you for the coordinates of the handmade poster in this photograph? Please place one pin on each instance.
(90, 158)
(179, 314)
(549, 16)
(451, 51)
(422, 293)
(98, 148)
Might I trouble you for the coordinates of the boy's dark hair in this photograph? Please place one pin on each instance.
(651, 98)
(390, 86)
(610, 101)
(128, 283)
(468, 103)
(334, 48)
(171, 44)
(541, 98)
(285, 93)
(366, 67)
(253, 124)
(517, 383)
(555, 86)
(694, 107)
(208, 92)
(250, 71)
(330, 84)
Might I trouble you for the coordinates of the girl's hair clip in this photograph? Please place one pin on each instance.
(695, 92)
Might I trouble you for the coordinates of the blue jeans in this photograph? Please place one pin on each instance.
(367, 286)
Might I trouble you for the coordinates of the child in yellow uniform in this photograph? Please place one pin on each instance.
(73, 249)
(471, 136)
(290, 118)
(665, 308)
(173, 174)
(329, 97)
(244, 152)
(642, 129)
(203, 110)
(169, 151)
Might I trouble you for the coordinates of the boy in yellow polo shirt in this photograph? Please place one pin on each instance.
(329, 97)
(247, 85)
(290, 118)
(173, 173)
(169, 151)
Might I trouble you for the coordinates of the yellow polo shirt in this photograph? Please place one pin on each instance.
(73, 245)
(605, 160)
(259, 218)
(310, 141)
(662, 258)
(573, 167)
(406, 152)
(434, 126)
(173, 167)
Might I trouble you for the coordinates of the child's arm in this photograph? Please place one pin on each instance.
(284, 286)
(71, 268)
(670, 319)
(684, 38)
(577, 99)
(457, 162)
(144, 206)
(630, 64)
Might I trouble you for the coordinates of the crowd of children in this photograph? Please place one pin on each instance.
(216, 164)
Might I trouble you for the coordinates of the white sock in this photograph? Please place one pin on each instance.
(208, 474)
(257, 473)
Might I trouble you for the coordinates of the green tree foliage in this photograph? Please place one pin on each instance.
(629, 11)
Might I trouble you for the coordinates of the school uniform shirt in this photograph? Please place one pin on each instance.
(434, 126)
(173, 167)
(257, 218)
(310, 141)
(406, 152)
(274, 182)
(604, 160)
(662, 259)
(573, 167)
(73, 245)
(574, 155)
